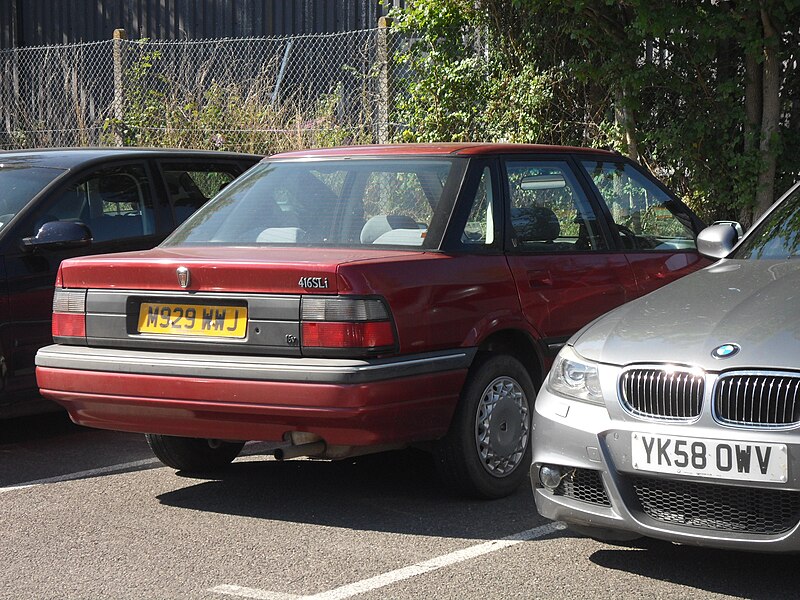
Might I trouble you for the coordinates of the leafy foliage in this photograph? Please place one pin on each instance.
(665, 81)
(159, 112)
(472, 75)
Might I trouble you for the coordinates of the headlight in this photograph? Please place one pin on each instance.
(575, 377)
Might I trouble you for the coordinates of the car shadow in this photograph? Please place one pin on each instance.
(737, 574)
(49, 448)
(37, 427)
(397, 492)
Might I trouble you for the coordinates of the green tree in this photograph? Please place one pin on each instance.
(705, 93)
(473, 74)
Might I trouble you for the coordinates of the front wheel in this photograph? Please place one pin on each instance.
(487, 451)
(193, 454)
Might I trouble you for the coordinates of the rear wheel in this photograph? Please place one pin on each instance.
(487, 452)
(193, 454)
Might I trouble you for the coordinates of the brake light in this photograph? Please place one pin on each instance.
(347, 324)
(348, 335)
(69, 313)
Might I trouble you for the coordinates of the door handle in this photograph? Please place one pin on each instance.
(539, 279)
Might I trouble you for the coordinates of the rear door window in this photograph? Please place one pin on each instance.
(114, 202)
(549, 211)
(190, 185)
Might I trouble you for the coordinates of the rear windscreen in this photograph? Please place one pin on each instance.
(336, 202)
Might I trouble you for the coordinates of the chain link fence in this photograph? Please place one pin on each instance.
(257, 94)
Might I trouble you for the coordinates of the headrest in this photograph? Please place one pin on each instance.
(380, 224)
(535, 224)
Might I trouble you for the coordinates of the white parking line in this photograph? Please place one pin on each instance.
(379, 581)
(245, 592)
(252, 449)
(80, 474)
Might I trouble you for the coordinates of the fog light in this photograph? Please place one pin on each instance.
(550, 476)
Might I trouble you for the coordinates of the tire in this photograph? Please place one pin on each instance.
(487, 451)
(193, 454)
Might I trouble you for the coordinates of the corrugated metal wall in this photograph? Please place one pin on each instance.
(8, 23)
(47, 22)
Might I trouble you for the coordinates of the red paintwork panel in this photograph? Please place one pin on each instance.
(217, 269)
(655, 269)
(560, 294)
(440, 301)
(359, 415)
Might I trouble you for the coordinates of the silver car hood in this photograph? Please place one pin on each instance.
(752, 303)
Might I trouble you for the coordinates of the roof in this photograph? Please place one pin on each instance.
(71, 157)
(440, 149)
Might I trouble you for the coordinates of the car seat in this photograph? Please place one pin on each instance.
(378, 225)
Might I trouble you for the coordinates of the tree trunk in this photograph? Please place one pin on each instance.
(625, 119)
(770, 116)
(753, 100)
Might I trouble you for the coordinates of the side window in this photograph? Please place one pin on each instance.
(480, 227)
(549, 211)
(114, 202)
(191, 185)
(645, 216)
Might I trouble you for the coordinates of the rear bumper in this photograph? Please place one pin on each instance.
(346, 402)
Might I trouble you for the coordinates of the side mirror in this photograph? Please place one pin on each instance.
(735, 224)
(718, 240)
(59, 234)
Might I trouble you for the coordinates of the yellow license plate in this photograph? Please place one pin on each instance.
(193, 319)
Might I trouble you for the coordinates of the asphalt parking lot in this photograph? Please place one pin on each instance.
(91, 514)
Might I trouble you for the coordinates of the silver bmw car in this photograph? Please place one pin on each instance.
(677, 416)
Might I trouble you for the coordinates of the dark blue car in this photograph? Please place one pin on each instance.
(57, 204)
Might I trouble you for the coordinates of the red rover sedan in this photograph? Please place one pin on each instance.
(353, 300)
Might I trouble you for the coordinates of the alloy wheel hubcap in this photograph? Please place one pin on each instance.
(502, 426)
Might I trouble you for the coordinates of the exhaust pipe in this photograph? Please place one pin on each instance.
(294, 451)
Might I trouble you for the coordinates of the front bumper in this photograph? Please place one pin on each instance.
(604, 491)
(345, 402)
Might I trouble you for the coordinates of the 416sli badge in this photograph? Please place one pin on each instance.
(319, 283)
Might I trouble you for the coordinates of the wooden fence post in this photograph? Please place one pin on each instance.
(384, 93)
(14, 106)
(119, 90)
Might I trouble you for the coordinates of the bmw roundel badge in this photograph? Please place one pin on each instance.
(725, 350)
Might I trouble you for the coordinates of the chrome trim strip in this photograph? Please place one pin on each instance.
(250, 368)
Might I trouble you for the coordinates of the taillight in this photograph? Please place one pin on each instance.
(360, 324)
(69, 313)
